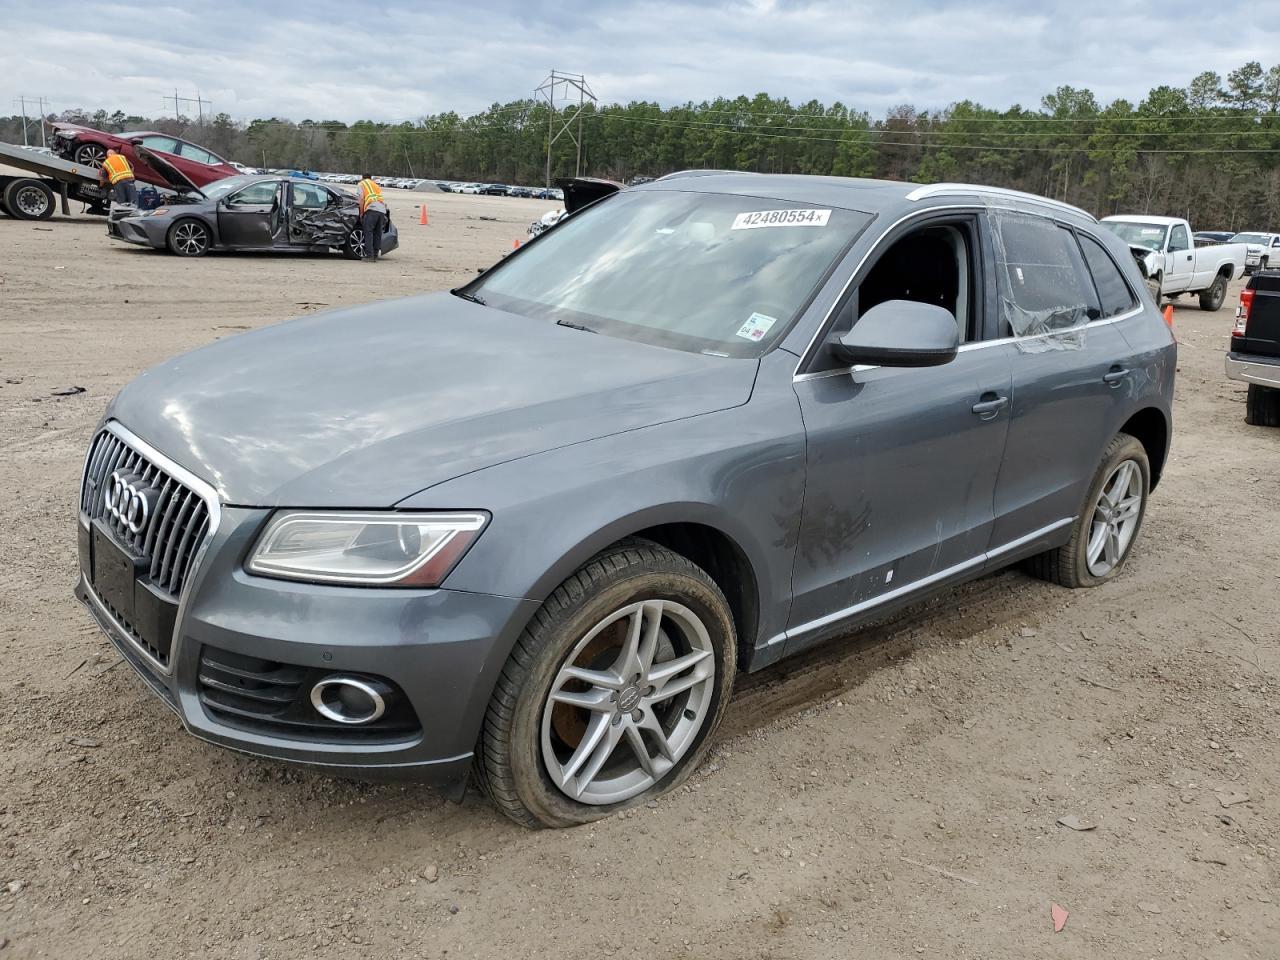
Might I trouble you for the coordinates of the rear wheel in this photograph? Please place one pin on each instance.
(89, 154)
(189, 238)
(1262, 406)
(1212, 298)
(613, 690)
(1153, 287)
(29, 200)
(1107, 528)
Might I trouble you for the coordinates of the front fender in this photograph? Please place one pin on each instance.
(740, 471)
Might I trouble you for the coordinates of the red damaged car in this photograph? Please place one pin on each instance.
(88, 147)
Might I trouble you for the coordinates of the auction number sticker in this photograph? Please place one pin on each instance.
(753, 219)
(756, 327)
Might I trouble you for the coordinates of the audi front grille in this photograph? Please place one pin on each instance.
(176, 521)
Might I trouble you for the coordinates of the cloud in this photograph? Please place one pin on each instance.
(326, 60)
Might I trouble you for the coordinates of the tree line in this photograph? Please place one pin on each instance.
(1209, 151)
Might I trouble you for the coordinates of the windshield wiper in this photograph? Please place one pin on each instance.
(468, 296)
(575, 326)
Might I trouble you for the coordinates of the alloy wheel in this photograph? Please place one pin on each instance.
(190, 239)
(628, 702)
(1115, 518)
(91, 155)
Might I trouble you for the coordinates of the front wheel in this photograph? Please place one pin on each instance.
(90, 155)
(1212, 298)
(189, 238)
(613, 690)
(1107, 528)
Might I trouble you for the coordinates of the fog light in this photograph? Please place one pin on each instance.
(350, 700)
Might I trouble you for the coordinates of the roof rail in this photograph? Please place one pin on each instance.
(680, 174)
(953, 189)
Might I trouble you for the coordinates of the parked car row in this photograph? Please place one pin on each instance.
(1262, 250)
(501, 190)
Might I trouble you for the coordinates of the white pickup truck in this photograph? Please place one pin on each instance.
(1173, 264)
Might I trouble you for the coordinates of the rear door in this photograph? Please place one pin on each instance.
(249, 218)
(1070, 365)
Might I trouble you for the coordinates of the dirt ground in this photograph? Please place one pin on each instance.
(895, 794)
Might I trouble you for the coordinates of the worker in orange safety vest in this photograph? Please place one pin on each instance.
(374, 216)
(117, 171)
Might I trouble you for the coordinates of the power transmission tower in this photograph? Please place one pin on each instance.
(199, 101)
(573, 93)
(39, 103)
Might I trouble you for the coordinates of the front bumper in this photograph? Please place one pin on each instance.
(442, 648)
(145, 231)
(1251, 368)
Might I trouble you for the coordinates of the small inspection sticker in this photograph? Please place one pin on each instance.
(756, 327)
(754, 219)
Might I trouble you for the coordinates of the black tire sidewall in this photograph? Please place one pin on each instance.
(1215, 295)
(1123, 447)
(534, 785)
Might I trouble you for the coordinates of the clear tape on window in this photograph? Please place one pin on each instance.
(1033, 252)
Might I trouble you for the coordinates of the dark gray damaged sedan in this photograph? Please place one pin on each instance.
(537, 526)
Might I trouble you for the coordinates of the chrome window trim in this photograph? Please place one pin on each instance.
(965, 189)
(915, 585)
(206, 493)
(798, 377)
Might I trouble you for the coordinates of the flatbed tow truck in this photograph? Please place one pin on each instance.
(35, 197)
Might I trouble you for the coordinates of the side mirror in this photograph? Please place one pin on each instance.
(900, 333)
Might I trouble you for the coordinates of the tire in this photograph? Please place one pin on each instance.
(529, 745)
(189, 238)
(353, 248)
(1154, 285)
(89, 155)
(1211, 299)
(1262, 264)
(1070, 565)
(1262, 406)
(29, 199)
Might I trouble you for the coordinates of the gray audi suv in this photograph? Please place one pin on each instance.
(533, 528)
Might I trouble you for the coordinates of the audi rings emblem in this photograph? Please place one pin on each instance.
(127, 504)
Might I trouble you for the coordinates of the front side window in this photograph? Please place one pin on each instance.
(262, 193)
(1044, 284)
(308, 196)
(189, 151)
(1178, 239)
(1114, 293)
(703, 272)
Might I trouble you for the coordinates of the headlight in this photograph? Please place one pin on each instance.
(372, 549)
(157, 211)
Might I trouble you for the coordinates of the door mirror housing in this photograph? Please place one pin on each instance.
(900, 333)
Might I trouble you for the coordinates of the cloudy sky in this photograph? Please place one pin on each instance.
(327, 60)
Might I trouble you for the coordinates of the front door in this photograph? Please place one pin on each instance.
(1180, 261)
(249, 217)
(901, 462)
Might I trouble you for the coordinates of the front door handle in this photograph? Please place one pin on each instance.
(989, 409)
(1114, 376)
(1189, 256)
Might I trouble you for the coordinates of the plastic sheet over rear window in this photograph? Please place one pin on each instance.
(1046, 296)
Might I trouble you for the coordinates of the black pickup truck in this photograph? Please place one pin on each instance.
(1254, 357)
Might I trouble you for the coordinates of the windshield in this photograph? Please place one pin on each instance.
(1138, 234)
(220, 188)
(696, 271)
(1249, 238)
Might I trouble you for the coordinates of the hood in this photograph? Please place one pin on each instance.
(365, 407)
(172, 175)
(580, 191)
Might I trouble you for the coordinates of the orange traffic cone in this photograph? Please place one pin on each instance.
(423, 218)
(1168, 315)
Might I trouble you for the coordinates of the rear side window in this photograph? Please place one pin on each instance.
(1044, 284)
(1114, 293)
(191, 152)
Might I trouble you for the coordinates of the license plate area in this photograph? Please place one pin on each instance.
(120, 581)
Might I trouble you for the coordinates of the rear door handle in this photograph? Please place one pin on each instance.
(1114, 376)
(989, 409)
